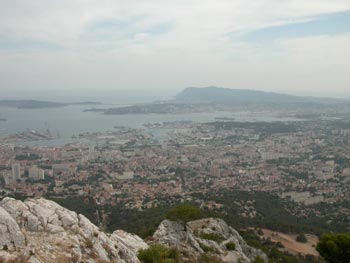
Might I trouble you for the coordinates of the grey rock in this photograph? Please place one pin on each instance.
(190, 238)
(128, 245)
(10, 234)
(41, 231)
(176, 235)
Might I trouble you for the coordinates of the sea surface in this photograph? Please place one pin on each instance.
(65, 122)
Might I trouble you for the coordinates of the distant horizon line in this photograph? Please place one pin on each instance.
(57, 95)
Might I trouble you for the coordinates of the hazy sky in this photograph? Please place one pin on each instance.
(294, 46)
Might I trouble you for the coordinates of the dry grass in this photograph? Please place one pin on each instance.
(291, 245)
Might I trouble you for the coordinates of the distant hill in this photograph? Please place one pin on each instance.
(193, 99)
(233, 96)
(37, 104)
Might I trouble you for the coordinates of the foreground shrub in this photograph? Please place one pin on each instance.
(212, 236)
(335, 248)
(231, 246)
(159, 254)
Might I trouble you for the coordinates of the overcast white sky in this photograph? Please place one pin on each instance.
(290, 46)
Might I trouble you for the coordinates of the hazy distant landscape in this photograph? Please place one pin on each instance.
(274, 166)
(174, 131)
(281, 168)
(216, 99)
(37, 104)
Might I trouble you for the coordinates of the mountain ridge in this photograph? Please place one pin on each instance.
(40, 104)
(225, 95)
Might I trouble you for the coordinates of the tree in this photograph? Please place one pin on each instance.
(335, 248)
(230, 246)
(184, 213)
(301, 238)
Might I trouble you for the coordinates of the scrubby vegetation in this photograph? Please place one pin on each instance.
(301, 238)
(272, 211)
(335, 248)
(277, 214)
(159, 254)
(208, 259)
(273, 251)
(230, 246)
(207, 249)
(184, 213)
(212, 236)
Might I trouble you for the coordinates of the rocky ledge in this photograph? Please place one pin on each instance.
(41, 231)
(210, 235)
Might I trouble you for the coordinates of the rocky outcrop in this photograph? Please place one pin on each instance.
(209, 235)
(41, 231)
(10, 234)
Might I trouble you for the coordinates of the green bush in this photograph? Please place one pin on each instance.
(207, 249)
(159, 254)
(184, 213)
(335, 248)
(301, 238)
(231, 246)
(212, 236)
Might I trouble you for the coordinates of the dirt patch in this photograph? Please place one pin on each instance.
(291, 245)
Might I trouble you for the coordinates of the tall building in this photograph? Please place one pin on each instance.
(36, 173)
(91, 148)
(16, 171)
(91, 152)
(8, 178)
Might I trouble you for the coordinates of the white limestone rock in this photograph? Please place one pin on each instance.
(128, 245)
(11, 236)
(41, 231)
(189, 238)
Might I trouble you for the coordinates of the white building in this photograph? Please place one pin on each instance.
(36, 173)
(124, 176)
(8, 178)
(16, 171)
(91, 148)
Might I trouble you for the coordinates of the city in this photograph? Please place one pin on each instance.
(303, 162)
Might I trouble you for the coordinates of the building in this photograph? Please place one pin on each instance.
(36, 173)
(8, 178)
(91, 155)
(124, 176)
(16, 171)
(91, 148)
(63, 169)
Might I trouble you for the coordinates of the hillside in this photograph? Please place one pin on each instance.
(237, 96)
(38, 104)
(41, 231)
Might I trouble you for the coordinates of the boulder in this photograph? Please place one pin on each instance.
(210, 235)
(41, 231)
(11, 236)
